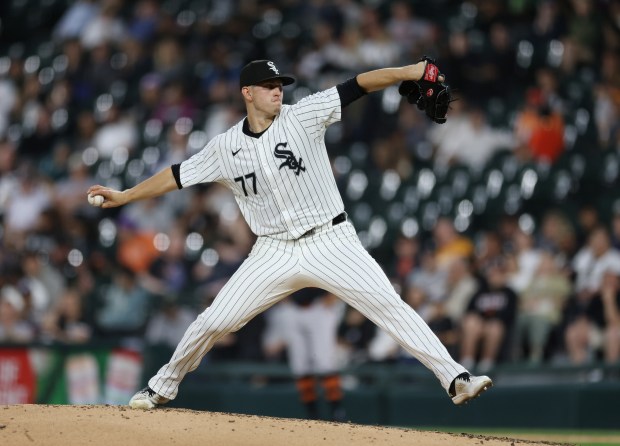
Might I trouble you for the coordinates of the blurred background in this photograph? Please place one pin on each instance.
(500, 227)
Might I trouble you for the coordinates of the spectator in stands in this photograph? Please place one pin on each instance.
(475, 144)
(13, 327)
(449, 244)
(67, 196)
(75, 19)
(557, 233)
(539, 130)
(508, 227)
(461, 285)
(219, 80)
(412, 33)
(107, 26)
(354, 336)
(174, 103)
(135, 249)
(39, 135)
(593, 324)
(548, 24)
(376, 48)
(458, 61)
(85, 130)
(322, 56)
(144, 20)
(488, 320)
(428, 278)
(591, 266)
(125, 306)
(168, 274)
(497, 63)
(592, 261)
(584, 31)
(540, 308)
(25, 204)
(588, 219)
(149, 91)
(607, 101)
(148, 216)
(76, 72)
(44, 283)
(391, 154)
(116, 134)
(169, 322)
(488, 250)
(548, 90)
(100, 74)
(55, 164)
(66, 322)
(523, 261)
(406, 253)
(169, 60)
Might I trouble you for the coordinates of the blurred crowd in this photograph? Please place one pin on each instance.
(110, 92)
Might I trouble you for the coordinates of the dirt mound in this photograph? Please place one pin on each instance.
(109, 425)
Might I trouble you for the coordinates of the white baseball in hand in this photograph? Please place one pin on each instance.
(95, 200)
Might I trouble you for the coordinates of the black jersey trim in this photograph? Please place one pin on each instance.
(247, 131)
(349, 91)
(176, 173)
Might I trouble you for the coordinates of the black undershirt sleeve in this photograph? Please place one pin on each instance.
(176, 173)
(349, 91)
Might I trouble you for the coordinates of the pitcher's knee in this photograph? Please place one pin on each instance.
(216, 326)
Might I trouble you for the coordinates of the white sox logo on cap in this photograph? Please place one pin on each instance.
(272, 67)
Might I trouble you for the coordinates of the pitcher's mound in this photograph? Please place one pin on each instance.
(117, 425)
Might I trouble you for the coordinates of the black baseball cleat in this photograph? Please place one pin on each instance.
(147, 399)
(466, 387)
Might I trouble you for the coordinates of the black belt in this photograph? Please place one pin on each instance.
(335, 221)
(339, 219)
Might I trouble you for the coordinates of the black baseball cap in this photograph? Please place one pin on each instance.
(262, 70)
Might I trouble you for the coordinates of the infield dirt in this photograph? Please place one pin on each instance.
(22, 425)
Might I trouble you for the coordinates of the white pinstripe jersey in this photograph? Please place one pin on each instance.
(282, 180)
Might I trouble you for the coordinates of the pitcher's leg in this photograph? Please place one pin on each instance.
(341, 265)
(264, 278)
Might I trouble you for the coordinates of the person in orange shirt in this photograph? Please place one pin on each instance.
(449, 244)
(539, 129)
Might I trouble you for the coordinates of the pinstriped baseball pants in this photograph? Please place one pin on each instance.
(332, 259)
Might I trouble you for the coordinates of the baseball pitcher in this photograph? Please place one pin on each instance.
(276, 164)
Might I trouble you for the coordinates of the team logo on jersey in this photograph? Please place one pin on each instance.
(272, 67)
(289, 159)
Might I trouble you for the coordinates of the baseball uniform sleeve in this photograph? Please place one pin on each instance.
(203, 167)
(349, 91)
(318, 111)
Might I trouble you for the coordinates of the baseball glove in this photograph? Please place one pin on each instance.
(430, 95)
